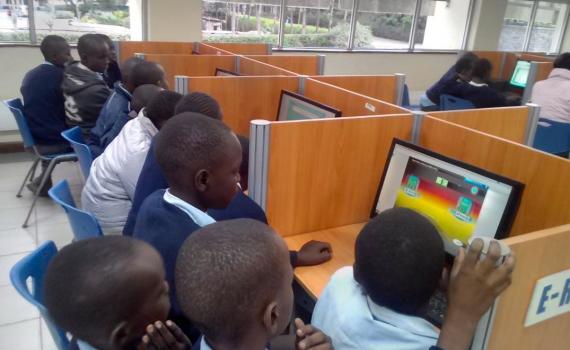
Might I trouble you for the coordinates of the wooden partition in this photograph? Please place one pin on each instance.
(192, 65)
(127, 49)
(304, 65)
(380, 87)
(496, 59)
(509, 123)
(243, 99)
(324, 173)
(510, 64)
(244, 48)
(543, 70)
(205, 49)
(546, 198)
(534, 57)
(539, 254)
(349, 102)
(248, 66)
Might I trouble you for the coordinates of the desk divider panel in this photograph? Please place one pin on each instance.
(539, 254)
(127, 49)
(324, 173)
(509, 66)
(350, 103)
(538, 71)
(243, 48)
(248, 66)
(304, 65)
(536, 57)
(243, 99)
(497, 60)
(545, 201)
(205, 49)
(380, 87)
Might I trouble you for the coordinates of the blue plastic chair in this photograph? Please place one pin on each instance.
(552, 137)
(451, 103)
(15, 106)
(34, 267)
(75, 138)
(83, 224)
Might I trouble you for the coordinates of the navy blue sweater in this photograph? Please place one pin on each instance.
(434, 92)
(480, 96)
(44, 103)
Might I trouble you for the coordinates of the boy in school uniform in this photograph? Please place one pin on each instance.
(381, 302)
(115, 112)
(460, 70)
(43, 101)
(109, 292)
(113, 73)
(84, 88)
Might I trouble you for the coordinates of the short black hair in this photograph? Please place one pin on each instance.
(142, 96)
(482, 68)
(189, 142)
(226, 273)
(146, 72)
(562, 61)
(399, 259)
(88, 43)
(160, 108)
(199, 102)
(464, 65)
(128, 66)
(244, 167)
(108, 40)
(86, 289)
(51, 45)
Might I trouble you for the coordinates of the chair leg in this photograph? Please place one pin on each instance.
(30, 175)
(45, 177)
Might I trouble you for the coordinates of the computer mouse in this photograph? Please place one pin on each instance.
(505, 249)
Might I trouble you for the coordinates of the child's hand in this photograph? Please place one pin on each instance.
(314, 253)
(310, 338)
(165, 337)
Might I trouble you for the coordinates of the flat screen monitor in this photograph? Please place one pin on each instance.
(293, 106)
(225, 73)
(459, 199)
(520, 74)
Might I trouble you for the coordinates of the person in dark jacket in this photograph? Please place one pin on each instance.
(460, 70)
(114, 72)
(83, 86)
(43, 101)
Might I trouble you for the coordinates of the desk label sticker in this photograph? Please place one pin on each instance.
(551, 298)
(369, 106)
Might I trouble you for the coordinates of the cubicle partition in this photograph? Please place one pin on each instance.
(536, 57)
(205, 49)
(509, 66)
(387, 88)
(248, 66)
(304, 65)
(243, 48)
(127, 49)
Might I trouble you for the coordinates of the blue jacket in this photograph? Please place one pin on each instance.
(115, 110)
(44, 103)
(480, 96)
(434, 92)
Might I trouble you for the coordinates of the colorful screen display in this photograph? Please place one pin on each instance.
(520, 74)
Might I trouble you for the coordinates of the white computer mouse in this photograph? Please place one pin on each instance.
(505, 249)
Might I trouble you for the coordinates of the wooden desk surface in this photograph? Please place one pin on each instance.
(315, 278)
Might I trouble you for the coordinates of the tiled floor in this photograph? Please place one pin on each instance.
(20, 324)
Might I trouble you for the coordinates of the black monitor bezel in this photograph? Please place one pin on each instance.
(506, 223)
(228, 72)
(337, 113)
(513, 73)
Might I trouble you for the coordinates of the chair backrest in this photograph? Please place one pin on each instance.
(83, 224)
(552, 137)
(75, 138)
(451, 103)
(406, 96)
(17, 108)
(33, 267)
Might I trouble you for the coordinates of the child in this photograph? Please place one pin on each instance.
(110, 186)
(552, 94)
(113, 73)
(233, 281)
(115, 112)
(200, 102)
(462, 68)
(108, 291)
(43, 102)
(399, 261)
(83, 86)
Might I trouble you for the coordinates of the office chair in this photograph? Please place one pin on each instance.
(451, 103)
(552, 137)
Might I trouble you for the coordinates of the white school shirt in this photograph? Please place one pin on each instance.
(200, 217)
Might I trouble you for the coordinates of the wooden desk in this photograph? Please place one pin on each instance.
(315, 278)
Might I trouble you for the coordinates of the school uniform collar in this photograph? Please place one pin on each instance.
(48, 63)
(198, 216)
(472, 83)
(412, 324)
(205, 346)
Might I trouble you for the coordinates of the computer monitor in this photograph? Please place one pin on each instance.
(460, 200)
(225, 73)
(520, 74)
(293, 106)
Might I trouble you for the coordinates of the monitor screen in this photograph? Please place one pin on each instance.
(225, 73)
(293, 106)
(520, 74)
(459, 199)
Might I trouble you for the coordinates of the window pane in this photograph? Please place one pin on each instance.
(319, 23)
(441, 25)
(385, 24)
(71, 19)
(517, 18)
(547, 27)
(14, 22)
(241, 20)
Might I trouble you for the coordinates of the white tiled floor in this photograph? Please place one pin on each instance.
(20, 323)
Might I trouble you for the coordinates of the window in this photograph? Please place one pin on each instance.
(67, 18)
(442, 24)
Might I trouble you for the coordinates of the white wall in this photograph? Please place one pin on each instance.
(175, 20)
(486, 25)
(444, 30)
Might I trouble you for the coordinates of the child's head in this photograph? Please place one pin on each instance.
(562, 61)
(199, 102)
(127, 70)
(142, 96)
(464, 66)
(244, 168)
(399, 260)
(233, 280)
(55, 50)
(161, 107)
(146, 72)
(112, 49)
(106, 290)
(93, 52)
(482, 70)
(200, 158)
